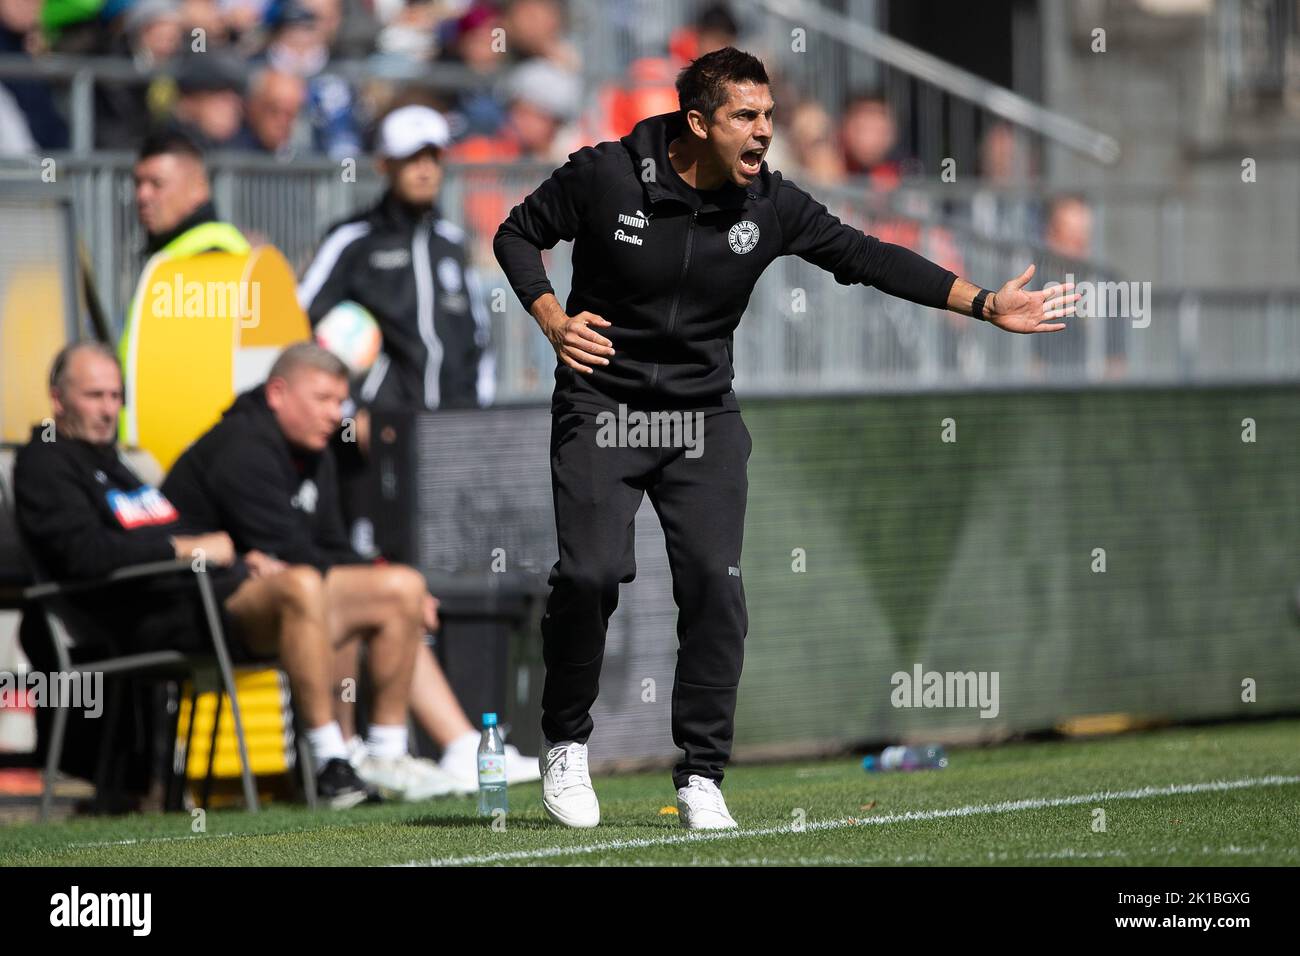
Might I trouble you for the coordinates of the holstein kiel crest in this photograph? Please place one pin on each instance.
(743, 236)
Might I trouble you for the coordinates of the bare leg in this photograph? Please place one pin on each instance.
(347, 661)
(433, 703)
(382, 605)
(284, 614)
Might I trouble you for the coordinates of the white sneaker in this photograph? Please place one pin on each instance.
(700, 805)
(405, 778)
(566, 785)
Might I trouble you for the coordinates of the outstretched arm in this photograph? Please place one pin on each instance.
(811, 232)
(1014, 309)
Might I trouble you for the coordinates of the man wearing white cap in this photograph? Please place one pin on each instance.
(407, 266)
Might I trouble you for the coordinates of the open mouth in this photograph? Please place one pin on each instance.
(750, 161)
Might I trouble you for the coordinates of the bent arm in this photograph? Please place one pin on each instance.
(551, 213)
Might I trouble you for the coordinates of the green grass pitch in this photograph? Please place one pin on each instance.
(1223, 795)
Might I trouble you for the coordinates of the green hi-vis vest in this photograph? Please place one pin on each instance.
(205, 237)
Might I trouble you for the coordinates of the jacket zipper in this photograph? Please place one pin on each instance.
(677, 295)
(686, 261)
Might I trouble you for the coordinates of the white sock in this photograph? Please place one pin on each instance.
(466, 743)
(386, 740)
(326, 742)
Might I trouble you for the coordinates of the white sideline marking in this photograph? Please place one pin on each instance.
(1010, 806)
(133, 841)
(989, 857)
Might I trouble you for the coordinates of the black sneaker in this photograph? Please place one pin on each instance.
(339, 786)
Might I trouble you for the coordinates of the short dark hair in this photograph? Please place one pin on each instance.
(170, 141)
(703, 85)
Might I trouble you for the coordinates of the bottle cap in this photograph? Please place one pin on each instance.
(489, 720)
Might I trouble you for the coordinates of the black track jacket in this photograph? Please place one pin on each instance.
(408, 267)
(85, 513)
(244, 478)
(672, 268)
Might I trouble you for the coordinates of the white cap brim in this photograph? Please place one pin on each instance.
(406, 131)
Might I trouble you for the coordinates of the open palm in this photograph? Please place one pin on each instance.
(1015, 309)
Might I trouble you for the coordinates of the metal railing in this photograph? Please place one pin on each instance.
(1156, 231)
(76, 78)
(949, 108)
(943, 110)
(803, 332)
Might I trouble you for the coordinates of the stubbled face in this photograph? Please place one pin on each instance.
(417, 178)
(167, 189)
(308, 405)
(88, 403)
(741, 132)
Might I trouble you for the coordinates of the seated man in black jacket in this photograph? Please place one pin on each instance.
(263, 475)
(84, 513)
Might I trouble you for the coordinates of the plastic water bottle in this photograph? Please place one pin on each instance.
(491, 769)
(931, 757)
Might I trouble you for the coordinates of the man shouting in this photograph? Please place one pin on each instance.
(672, 226)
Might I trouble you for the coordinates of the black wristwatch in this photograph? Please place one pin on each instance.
(977, 305)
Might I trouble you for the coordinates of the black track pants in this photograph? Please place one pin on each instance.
(698, 490)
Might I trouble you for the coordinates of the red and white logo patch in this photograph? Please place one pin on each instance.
(144, 506)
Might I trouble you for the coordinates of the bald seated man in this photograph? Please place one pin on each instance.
(84, 513)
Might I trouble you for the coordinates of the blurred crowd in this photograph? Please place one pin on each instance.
(292, 78)
(263, 75)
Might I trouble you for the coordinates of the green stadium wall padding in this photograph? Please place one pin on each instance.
(977, 555)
